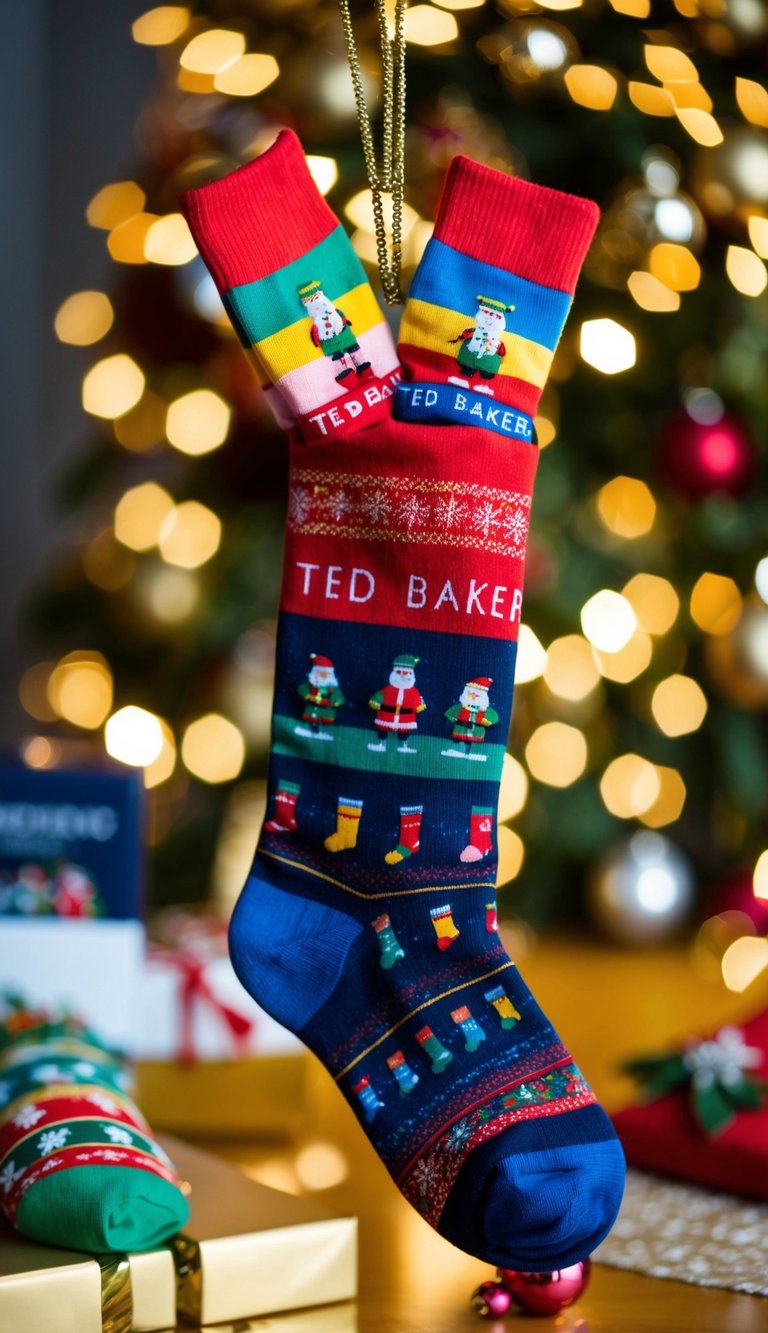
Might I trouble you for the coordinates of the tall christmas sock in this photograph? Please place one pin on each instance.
(79, 1165)
(404, 557)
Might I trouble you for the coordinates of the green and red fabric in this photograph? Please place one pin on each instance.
(79, 1165)
(704, 1114)
(404, 563)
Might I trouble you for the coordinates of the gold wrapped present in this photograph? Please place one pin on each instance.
(250, 1251)
(44, 1290)
(255, 1095)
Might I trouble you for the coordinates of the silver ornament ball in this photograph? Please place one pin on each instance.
(642, 890)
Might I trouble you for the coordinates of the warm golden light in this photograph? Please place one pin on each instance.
(679, 705)
(669, 803)
(559, 5)
(321, 1166)
(761, 578)
(169, 241)
(649, 99)
(746, 271)
(513, 789)
(608, 621)
(115, 204)
(425, 26)
(40, 752)
(80, 689)
(651, 294)
(752, 99)
(744, 961)
(160, 26)
(531, 656)
(324, 171)
(127, 243)
(213, 51)
(144, 426)
(629, 662)
(190, 82)
(715, 604)
(213, 749)
(140, 514)
(359, 210)
(556, 754)
(758, 235)
(667, 64)
(570, 670)
(607, 346)
(760, 877)
(134, 736)
(460, 4)
(171, 594)
(591, 86)
(190, 535)
(654, 602)
(161, 768)
(83, 318)
(511, 853)
(33, 691)
(197, 422)
(113, 386)
(629, 786)
(634, 9)
(249, 75)
(674, 266)
(626, 507)
(701, 126)
(690, 95)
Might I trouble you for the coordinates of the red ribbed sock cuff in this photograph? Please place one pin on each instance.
(537, 233)
(260, 217)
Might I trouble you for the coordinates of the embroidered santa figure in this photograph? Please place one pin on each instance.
(321, 696)
(471, 717)
(396, 706)
(482, 351)
(331, 332)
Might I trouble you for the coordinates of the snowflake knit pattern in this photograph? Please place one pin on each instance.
(368, 922)
(79, 1165)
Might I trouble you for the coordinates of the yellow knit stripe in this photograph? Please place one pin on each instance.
(369, 897)
(433, 328)
(473, 981)
(293, 345)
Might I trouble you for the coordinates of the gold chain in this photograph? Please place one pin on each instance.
(389, 178)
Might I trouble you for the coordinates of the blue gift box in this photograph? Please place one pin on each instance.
(71, 842)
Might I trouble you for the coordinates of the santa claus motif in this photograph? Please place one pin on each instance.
(482, 351)
(396, 706)
(321, 697)
(471, 717)
(332, 334)
(75, 893)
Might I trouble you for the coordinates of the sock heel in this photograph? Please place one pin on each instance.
(288, 952)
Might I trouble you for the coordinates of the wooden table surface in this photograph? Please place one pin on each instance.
(605, 1004)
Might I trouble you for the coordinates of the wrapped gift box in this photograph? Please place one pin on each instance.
(44, 1290)
(71, 934)
(249, 1250)
(211, 1061)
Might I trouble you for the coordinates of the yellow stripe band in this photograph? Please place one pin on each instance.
(434, 328)
(293, 346)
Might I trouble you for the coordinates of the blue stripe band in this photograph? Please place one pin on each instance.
(444, 403)
(445, 277)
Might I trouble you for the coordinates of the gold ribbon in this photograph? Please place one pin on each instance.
(116, 1298)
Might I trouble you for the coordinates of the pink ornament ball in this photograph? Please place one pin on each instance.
(491, 1300)
(546, 1293)
(698, 459)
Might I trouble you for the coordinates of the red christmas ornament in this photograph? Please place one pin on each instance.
(491, 1300)
(546, 1293)
(699, 459)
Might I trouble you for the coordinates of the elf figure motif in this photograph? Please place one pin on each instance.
(471, 716)
(482, 351)
(391, 950)
(331, 332)
(480, 831)
(433, 1048)
(321, 695)
(284, 818)
(396, 706)
(405, 1078)
(348, 815)
(445, 928)
(367, 1098)
(473, 1033)
(503, 1005)
(410, 829)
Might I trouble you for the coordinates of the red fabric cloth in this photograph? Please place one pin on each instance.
(663, 1135)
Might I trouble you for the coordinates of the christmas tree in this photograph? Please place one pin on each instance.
(643, 664)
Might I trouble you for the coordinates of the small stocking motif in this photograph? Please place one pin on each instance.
(473, 1033)
(446, 929)
(480, 834)
(405, 1078)
(391, 952)
(284, 818)
(434, 1050)
(410, 828)
(367, 1097)
(348, 815)
(503, 1005)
